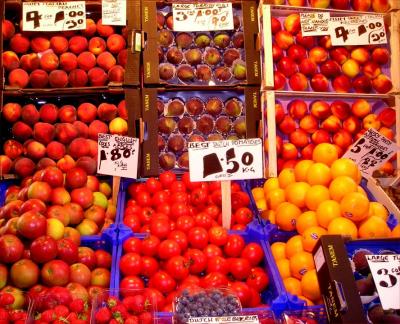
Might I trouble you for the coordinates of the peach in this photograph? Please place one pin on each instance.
(24, 167)
(380, 55)
(360, 54)
(307, 151)
(82, 128)
(371, 121)
(342, 138)
(59, 44)
(361, 5)
(35, 150)
(106, 60)
(308, 67)
(331, 124)
(371, 70)
(362, 84)
(320, 109)
(68, 61)
(381, 84)
(287, 66)
(86, 61)
(90, 28)
(380, 5)
(39, 79)
(107, 112)
(30, 114)
(277, 53)
(78, 148)
(58, 79)
(340, 4)
(116, 43)
(297, 3)
(67, 114)
(351, 68)
(298, 82)
(284, 39)
(352, 125)
(361, 108)
(330, 69)
(48, 113)
(309, 124)
(49, 62)
(19, 44)
(122, 57)
(292, 23)
(92, 148)
(77, 78)
(5, 165)
(88, 164)
(387, 132)
(66, 132)
(340, 109)
(55, 150)
(116, 74)
(96, 127)
(66, 163)
(11, 112)
(320, 136)
(122, 111)
(297, 108)
(87, 112)
(279, 80)
(118, 126)
(325, 42)
(279, 113)
(13, 149)
(360, 134)
(320, 3)
(45, 162)
(299, 138)
(44, 132)
(275, 25)
(104, 30)
(319, 83)
(339, 54)
(40, 44)
(10, 60)
(341, 83)
(97, 45)
(289, 151)
(29, 62)
(287, 125)
(387, 117)
(18, 78)
(77, 44)
(8, 29)
(318, 54)
(306, 41)
(97, 76)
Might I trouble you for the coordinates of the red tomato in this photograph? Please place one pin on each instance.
(86, 256)
(240, 268)
(218, 235)
(258, 279)
(216, 197)
(190, 280)
(146, 215)
(130, 264)
(190, 185)
(160, 227)
(150, 245)
(143, 199)
(242, 291)
(197, 259)
(168, 249)
(162, 281)
(149, 266)
(145, 229)
(132, 244)
(103, 259)
(135, 188)
(132, 208)
(133, 222)
(55, 273)
(243, 215)
(198, 196)
(218, 264)
(214, 185)
(198, 237)
(203, 220)
(179, 237)
(153, 299)
(239, 227)
(235, 187)
(212, 250)
(239, 199)
(214, 280)
(177, 186)
(179, 196)
(212, 210)
(254, 253)
(167, 178)
(179, 209)
(255, 299)
(185, 223)
(160, 197)
(153, 185)
(130, 285)
(164, 208)
(177, 267)
(234, 246)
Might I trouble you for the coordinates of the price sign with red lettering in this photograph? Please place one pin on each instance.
(117, 155)
(357, 30)
(53, 16)
(226, 160)
(202, 16)
(385, 270)
(370, 151)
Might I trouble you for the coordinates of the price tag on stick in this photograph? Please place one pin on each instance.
(370, 151)
(117, 155)
(113, 12)
(53, 16)
(385, 270)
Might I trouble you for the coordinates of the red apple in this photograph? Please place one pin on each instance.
(82, 196)
(53, 176)
(39, 190)
(382, 84)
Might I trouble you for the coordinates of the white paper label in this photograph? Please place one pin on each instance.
(385, 270)
(118, 155)
(247, 319)
(202, 16)
(319, 258)
(113, 12)
(357, 30)
(53, 16)
(314, 23)
(226, 160)
(370, 151)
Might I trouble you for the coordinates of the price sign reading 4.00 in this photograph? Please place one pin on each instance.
(53, 16)
(117, 155)
(225, 160)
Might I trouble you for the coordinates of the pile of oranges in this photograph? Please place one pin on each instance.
(317, 197)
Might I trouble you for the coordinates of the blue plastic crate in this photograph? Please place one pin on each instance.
(4, 185)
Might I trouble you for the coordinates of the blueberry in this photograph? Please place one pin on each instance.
(219, 311)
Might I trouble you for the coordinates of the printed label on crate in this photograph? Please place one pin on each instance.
(247, 319)
(118, 155)
(113, 12)
(202, 16)
(357, 30)
(53, 16)
(225, 160)
(314, 23)
(385, 270)
(370, 151)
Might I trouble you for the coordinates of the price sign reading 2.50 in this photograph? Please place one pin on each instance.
(225, 160)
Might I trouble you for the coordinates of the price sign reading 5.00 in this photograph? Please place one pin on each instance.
(225, 160)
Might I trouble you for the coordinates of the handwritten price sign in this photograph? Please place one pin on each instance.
(371, 151)
(117, 155)
(113, 12)
(225, 160)
(314, 23)
(202, 16)
(53, 16)
(357, 30)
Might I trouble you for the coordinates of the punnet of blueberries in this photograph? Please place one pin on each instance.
(205, 303)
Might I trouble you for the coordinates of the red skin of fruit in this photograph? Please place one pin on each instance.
(82, 196)
(32, 224)
(55, 273)
(76, 178)
(43, 249)
(87, 256)
(11, 247)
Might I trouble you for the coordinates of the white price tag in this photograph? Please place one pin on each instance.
(357, 30)
(202, 16)
(314, 23)
(118, 155)
(246, 319)
(225, 160)
(53, 16)
(385, 270)
(370, 151)
(113, 12)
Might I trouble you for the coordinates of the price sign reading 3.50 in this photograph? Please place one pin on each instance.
(225, 160)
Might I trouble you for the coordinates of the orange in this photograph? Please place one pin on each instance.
(354, 206)
(319, 173)
(271, 183)
(396, 231)
(275, 197)
(362, 191)
(283, 267)
(311, 236)
(374, 227)
(343, 226)
(292, 285)
(301, 168)
(325, 153)
(326, 211)
(258, 193)
(316, 195)
(261, 204)
(300, 263)
(286, 177)
(310, 286)
(286, 216)
(345, 167)
(377, 209)
(308, 302)
(306, 220)
(278, 250)
(341, 186)
(295, 193)
(294, 245)
(268, 215)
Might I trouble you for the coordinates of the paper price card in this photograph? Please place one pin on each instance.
(357, 30)
(314, 23)
(202, 16)
(370, 151)
(53, 16)
(248, 319)
(117, 155)
(225, 160)
(113, 12)
(385, 270)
